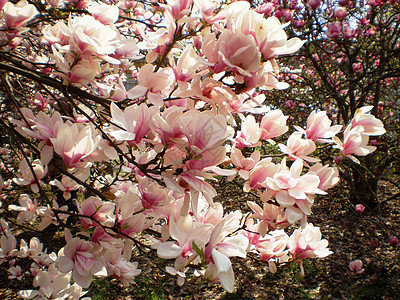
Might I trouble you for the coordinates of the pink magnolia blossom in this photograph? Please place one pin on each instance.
(91, 37)
(179, 8)
(128, 213)
(220, 248)
(101, 211)
(40, 102)
(299, 148)
(184, 232)
(307, 243)
(26, 177)
(134, 121)
(80, 73)
(203, 130)
(34, 251)
(15, 272)
(8, 247)
(48, 216)
(42, 126)
(273, 124)
(153, 84)
(185, 68)
(319, 127)
(80, 257)
(152, 195)
(334, 30)
(340, 12)
(206, 8)
(290, 104)
(106, 14)
(272, 39)
(167, 126)
(359, 208)
(328, 176)
(347, 31)
(314, 4)
(357, 67)
(271, 217)
(52, 284)
(28, 209)
(371, 125)
(250, 133)
(18, 15)
(354, 142)
(356, 266)
(244, 164)
(119, 266)
(264, 169)
(66, 185)
(393, 241)
(272, 248)
(293, 190)
(239, 52)
(75, 142)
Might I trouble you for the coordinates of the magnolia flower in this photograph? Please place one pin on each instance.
(307, 243)
(244, 164)
(203, 130)
(167, 126)
(354, 142)
(272, 39)
(74, 143)
(356, 266)
(264, 169)
(272, 248)
(220, 248)
(134, 121)
(328, 176)
(293, 191)
(106, 14)
(26, 176)
(80, 257)
(8, 247)
(273, 124)
(359, 208)
(250, 133)
(42, 126)
(184, 232)
(28, 209)
(153, 85)
(52, 284)
(179, 8)
(299, 148)
(91, 37)
(319, 126)
(15, 272)
(271, 217)
(239, 52)
(18, 15)
(101, 211)
(66, 185)
(371, 125)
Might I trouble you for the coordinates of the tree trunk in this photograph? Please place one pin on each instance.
(364, 188)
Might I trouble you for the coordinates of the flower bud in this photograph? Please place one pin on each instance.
(356, 266)
(357, 67)
(360, 208)
(393, 241)
(340, 13)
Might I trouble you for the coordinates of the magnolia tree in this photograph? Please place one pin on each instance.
(118, 117)
(351, 60)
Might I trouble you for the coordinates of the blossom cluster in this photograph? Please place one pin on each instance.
(197, 111)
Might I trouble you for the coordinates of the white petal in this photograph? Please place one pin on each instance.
(169, 250)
